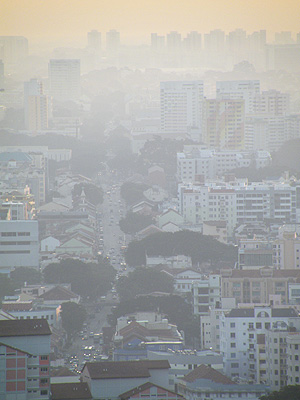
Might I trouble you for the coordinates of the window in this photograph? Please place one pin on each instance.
(44, 392)
(44, 358)
(232, 335)
(232, 324)
(232, 345)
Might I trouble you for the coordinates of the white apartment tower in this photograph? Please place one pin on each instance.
(237, 90)
(243, 334)
(181, 108)
(272, 102)
(64, 76)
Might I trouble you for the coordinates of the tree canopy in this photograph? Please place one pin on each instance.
(199, 247)
(143, 281)
(133, 192)
(21, 275)
(134, 222)
(288, 156)
(177, 310)
(291, 392)
(93, 193)
(87, 279)
(162, 152)
(72, 316)
(6, 286)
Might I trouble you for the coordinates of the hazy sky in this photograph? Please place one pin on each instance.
(135, 19)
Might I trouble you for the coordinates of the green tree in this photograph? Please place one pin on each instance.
(174, 307)
(72, 316)
(143, 281)
(162, 152)
(25, 274)
(134, 222)
(87, 279)
(291, 392)
(133, 192)
(6, 286)
(94, 194)
(199, 247)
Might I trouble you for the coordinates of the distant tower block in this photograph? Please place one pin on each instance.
(64, 76)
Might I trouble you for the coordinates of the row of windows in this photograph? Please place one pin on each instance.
(15, 252)
(42, 392)
(22, 243)
(7, 234)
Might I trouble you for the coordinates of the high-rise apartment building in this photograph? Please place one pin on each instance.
(223, 124)
(236, 90)
(293, 357)
(112, 40)
(1, 74)
(19, 242)
(257, 285)
(13, 49)
(181, 108)
(286, 251)
(173, 41)
(276, 357)
(237, 45)
(94, 40)
(214, 41)
(284, 37)
(24, 359)
(243, 339)
(35, 106)
(271, 102)
(193, 41)
(283, 57)
(64, 77)
(157, 42)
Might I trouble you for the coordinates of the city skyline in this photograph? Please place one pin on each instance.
(136, 20)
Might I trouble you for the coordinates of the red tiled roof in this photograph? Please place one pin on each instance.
(72, 391)
(124, 369)
(58, 293)
(135, 327)
(24, 327)
(145, 386)
(17, 306)
(63, 371)
(206, 372)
